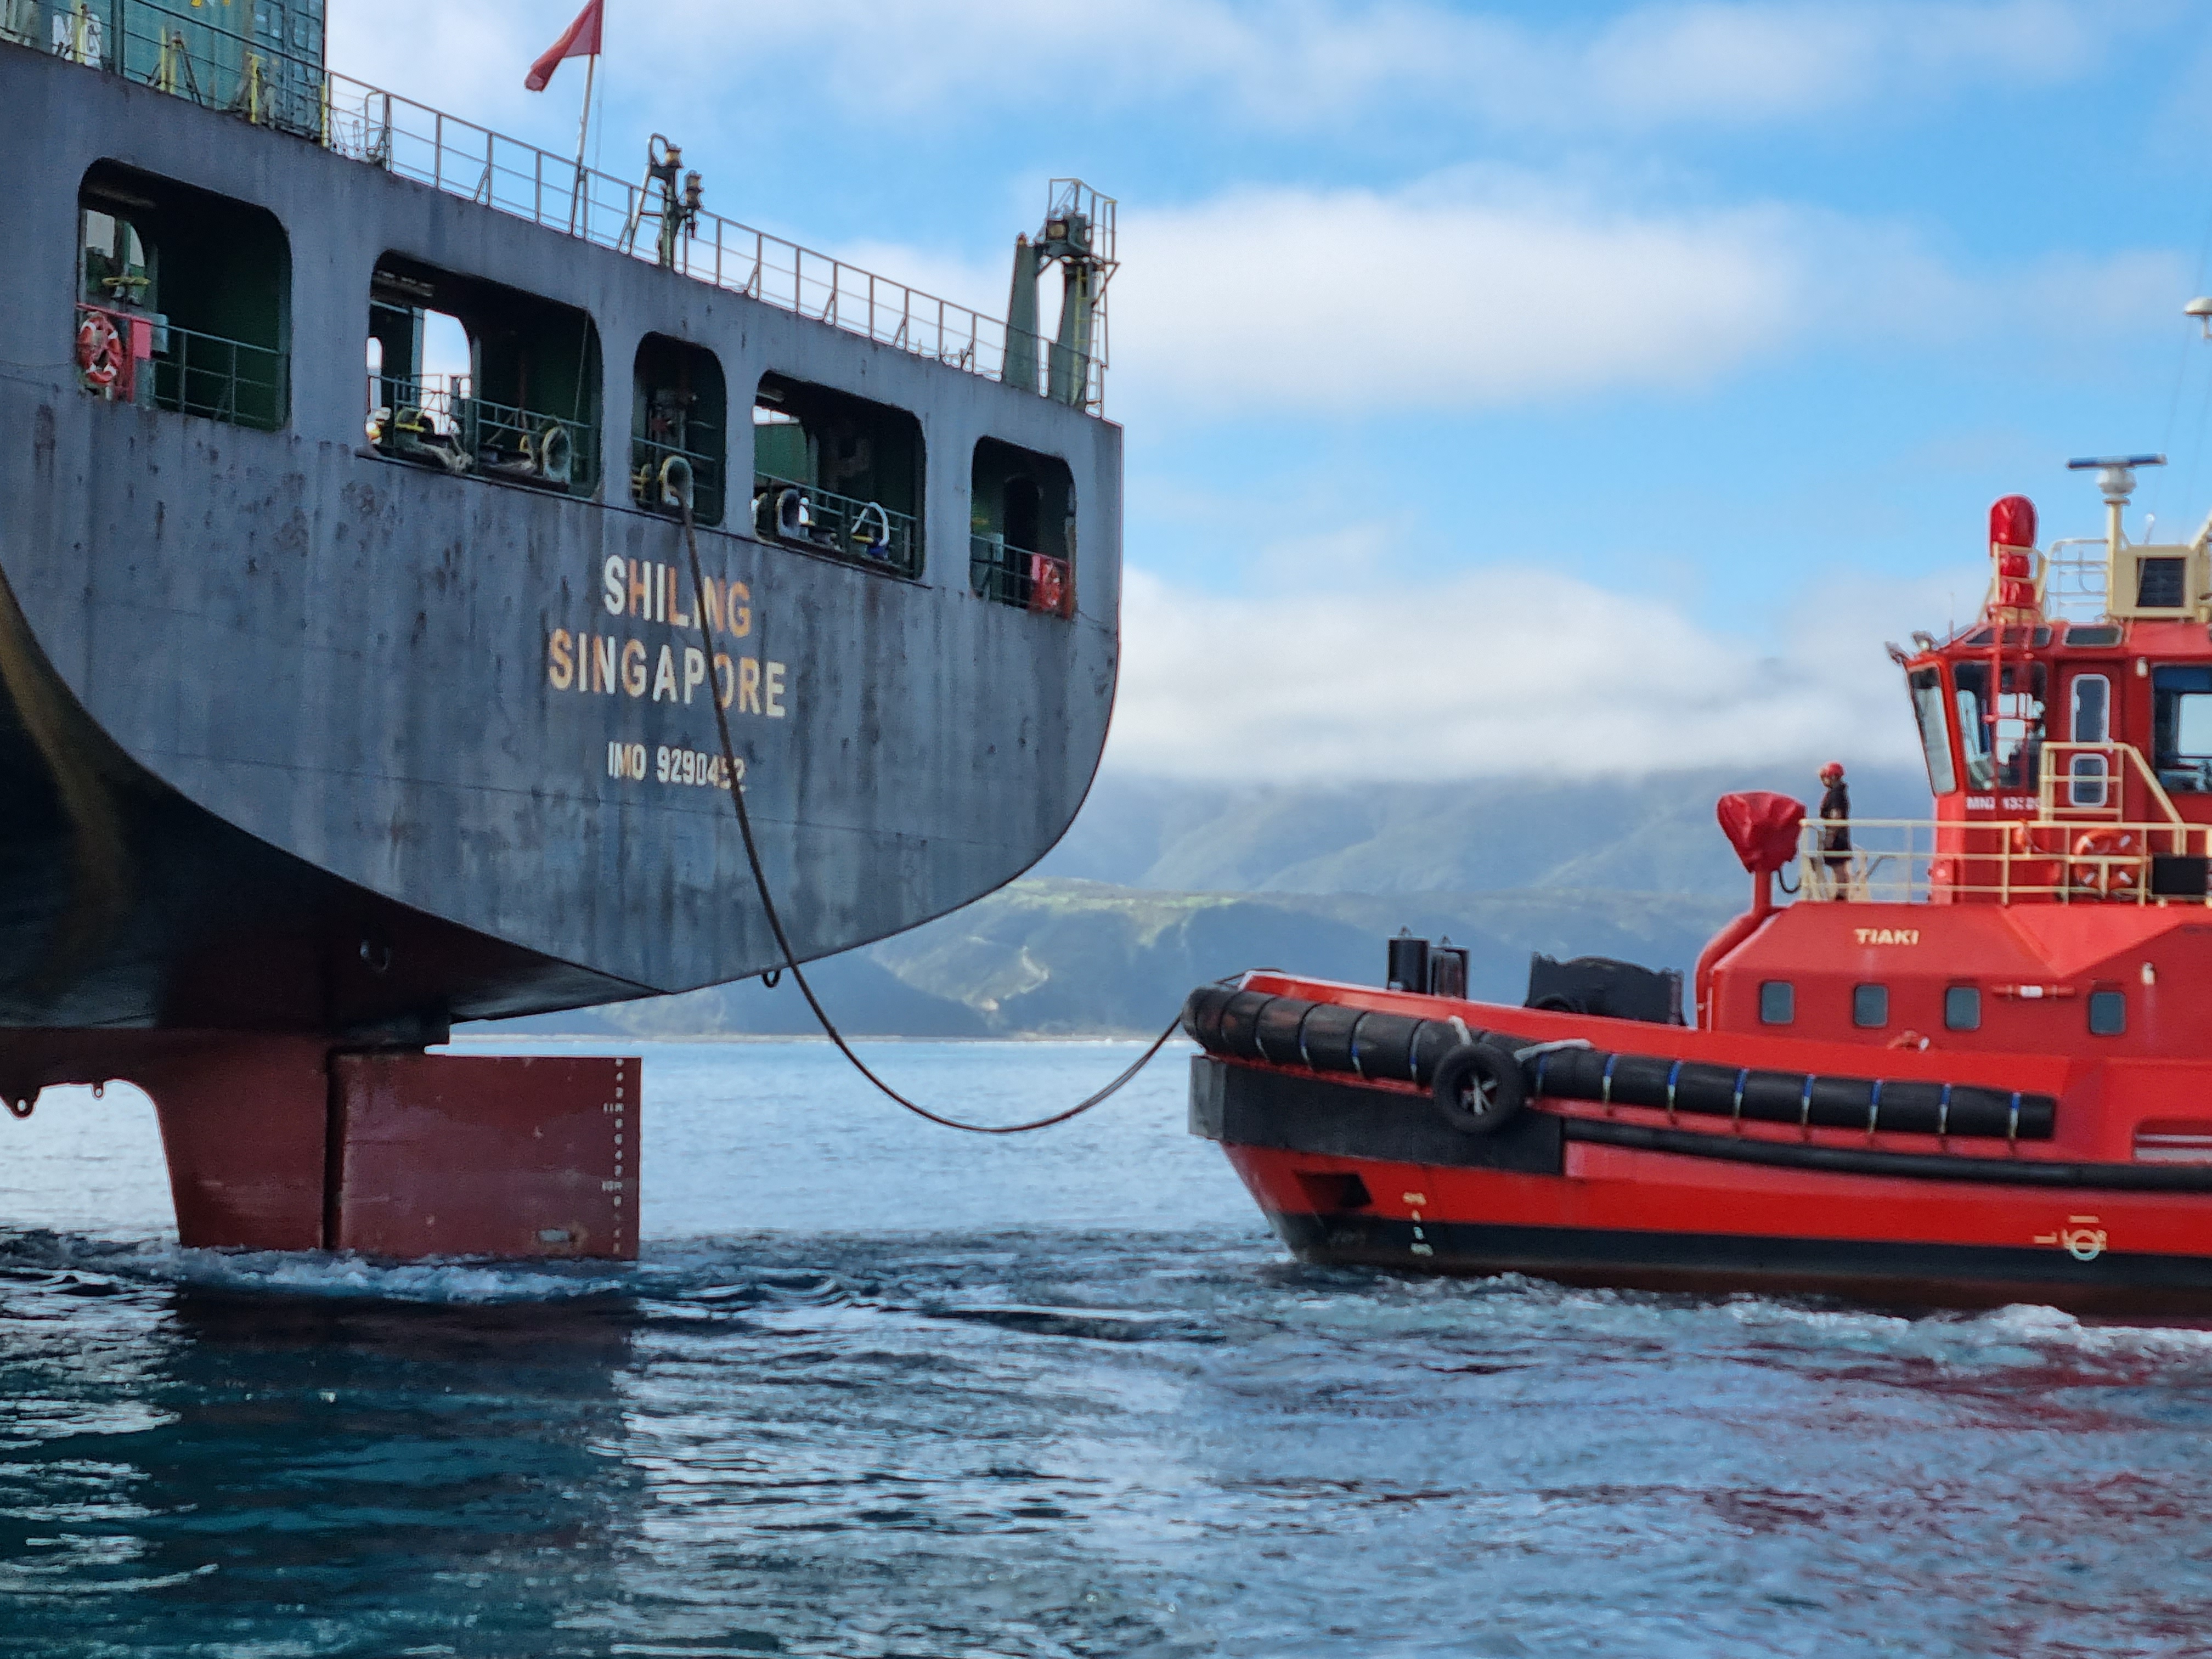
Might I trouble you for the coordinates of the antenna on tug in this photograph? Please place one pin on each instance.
(2116, 480)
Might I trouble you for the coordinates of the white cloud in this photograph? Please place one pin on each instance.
(1470, 291)
(1316, 62)
(1273, 63)
(1496, 672)
(1438, 296)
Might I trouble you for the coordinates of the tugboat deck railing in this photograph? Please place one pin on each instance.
(2075, 574)
(223, 70)
(2081, 845)
(2008, 861)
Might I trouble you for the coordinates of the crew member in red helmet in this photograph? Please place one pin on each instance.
(1835, 833)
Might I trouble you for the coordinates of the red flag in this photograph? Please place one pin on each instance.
(579, 39)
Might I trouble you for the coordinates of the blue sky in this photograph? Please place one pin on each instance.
(1571, 388)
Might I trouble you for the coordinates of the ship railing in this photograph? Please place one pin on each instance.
(1012, 575)
(2074, 579)
(156, 363)
(414, 142)
(648, 461)
(2008, 860)
(185, 54)
(437, 421)
(807, 515)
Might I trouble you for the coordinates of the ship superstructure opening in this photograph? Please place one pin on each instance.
(836, 473)
(680, 429)
(1021, 546)
(527, 409)
(184, 300)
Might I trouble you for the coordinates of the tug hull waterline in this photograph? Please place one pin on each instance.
(323, 724)
(1968, 1065)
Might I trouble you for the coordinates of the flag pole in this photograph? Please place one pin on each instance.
(583, 132)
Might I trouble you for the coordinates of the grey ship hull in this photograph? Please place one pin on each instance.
(282, 738)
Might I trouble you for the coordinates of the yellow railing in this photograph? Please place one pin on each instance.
(1905, 860)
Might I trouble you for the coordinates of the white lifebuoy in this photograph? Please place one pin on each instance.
(100, 351)
(2105, 878)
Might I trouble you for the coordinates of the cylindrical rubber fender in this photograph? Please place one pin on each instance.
(1571, 1073)
(1911, 1107)
(1996, 1112)
(1705, 1087)
(1773, 1096)
(1838, 1102)
(1478, 1088)
(1240, 1017)
(1639, 1079)
(1327, 1035)
(1383, 1047)
(1202, 1014)
(1275, 1033)
(1436, 1039)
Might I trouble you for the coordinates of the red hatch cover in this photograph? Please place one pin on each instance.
(1762, 827)
(485, 1155)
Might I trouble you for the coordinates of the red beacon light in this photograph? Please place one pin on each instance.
(2012, 549)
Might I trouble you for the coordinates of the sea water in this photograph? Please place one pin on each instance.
(878, 1388)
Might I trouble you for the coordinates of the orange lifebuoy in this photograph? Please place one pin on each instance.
(2106, 876)
(100, 352)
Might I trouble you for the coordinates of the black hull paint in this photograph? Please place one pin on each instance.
(1901, 1275)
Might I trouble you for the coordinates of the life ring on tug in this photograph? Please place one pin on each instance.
(2106, 877)
(100, 352)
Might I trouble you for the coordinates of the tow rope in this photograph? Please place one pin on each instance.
(775, 922)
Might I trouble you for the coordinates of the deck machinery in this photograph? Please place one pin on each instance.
(353, 678)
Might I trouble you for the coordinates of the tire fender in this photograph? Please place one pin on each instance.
(1479, 1088)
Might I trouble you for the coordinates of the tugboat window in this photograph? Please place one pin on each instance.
(1927, 685)
(2091, 722)
(479, 380)
(1021, 531)
(2003, 745)
(679, 417)
(1962, 1008)
(837, 474)
(2181, 728)
(1870, 1006)
(1777, 1002)
(2108, 1013)
(184, 300)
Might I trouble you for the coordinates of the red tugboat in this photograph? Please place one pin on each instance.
(1969, 1065)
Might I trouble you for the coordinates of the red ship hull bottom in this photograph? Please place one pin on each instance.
(287, 1143)
(1657, 1221)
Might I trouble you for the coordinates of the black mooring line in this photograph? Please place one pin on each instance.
(775, 921)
